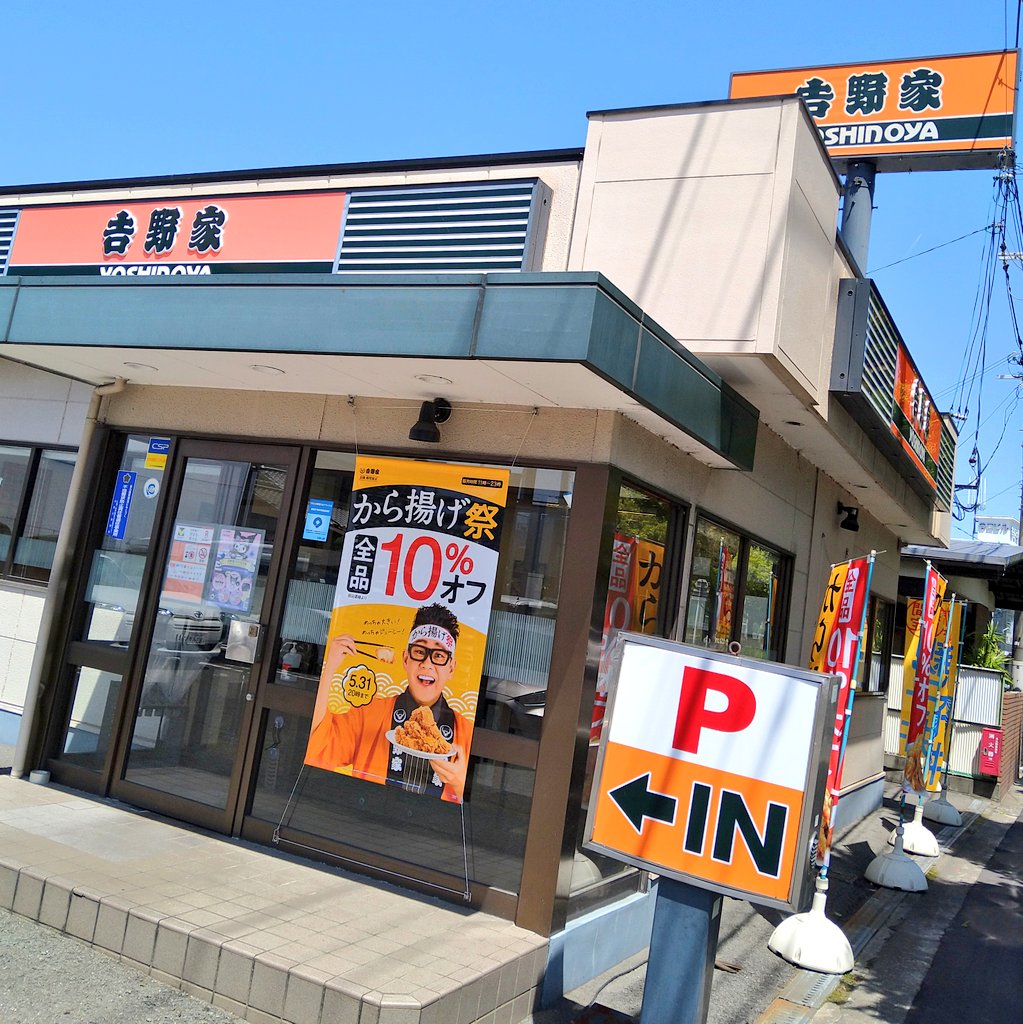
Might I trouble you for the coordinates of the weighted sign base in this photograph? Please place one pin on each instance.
(917, 837)
(683, 944)
(811, 941)
(941, 811)
(896, 870)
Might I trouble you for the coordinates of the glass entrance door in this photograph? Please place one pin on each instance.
(206, 628)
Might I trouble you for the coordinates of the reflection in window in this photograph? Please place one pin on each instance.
(117, 564)
(875, 665)
(736, 593)
(637, 600)
(318, 809)
(313, 578)
(34, 485)
(520, 636)
(91, 724)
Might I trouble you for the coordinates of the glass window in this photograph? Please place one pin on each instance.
(512, 697)
(520, 636)
(637, 600)
(761, 593)
(492, 822)
(34, 484)
(119, 560)
(14, 464)
(91, 726)
(877, 655)
(737, 590)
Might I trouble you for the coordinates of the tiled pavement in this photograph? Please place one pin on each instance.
(265, 936)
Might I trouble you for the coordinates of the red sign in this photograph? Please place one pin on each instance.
(180, 236)
(991, 751)
(915, 419)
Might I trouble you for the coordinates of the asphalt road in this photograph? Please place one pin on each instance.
(977, 972)
(49, 978)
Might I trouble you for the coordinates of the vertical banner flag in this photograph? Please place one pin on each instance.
(401, 674)
(941, 690)
(919, 652)
(835, 651)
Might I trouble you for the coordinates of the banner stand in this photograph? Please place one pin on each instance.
(897, 870)
(939, 810)
(917, 837)
(811, 941)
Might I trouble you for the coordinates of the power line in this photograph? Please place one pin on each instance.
(933, 248)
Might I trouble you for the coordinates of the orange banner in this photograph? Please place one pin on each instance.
(955, 104)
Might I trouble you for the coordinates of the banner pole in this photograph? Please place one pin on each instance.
(810, 940)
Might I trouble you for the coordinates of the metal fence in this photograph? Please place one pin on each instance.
(978, 704)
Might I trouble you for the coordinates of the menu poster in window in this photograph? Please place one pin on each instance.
(401, 674)
(235, 565)
(633, 590)
(188, 560)
(649, 559)
(723, 595)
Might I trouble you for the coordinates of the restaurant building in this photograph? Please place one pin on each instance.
(698, 401)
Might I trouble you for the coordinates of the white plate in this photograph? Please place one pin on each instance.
(415, 753)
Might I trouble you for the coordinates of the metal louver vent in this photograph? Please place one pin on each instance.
(946, 466)
(8, 224)
(880, 355)
(873, 375)
(466, 228)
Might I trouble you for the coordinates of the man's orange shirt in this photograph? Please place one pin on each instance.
(356, 738)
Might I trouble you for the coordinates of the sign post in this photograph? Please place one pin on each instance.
(710, 772)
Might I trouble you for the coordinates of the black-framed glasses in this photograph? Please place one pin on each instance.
(417, 652)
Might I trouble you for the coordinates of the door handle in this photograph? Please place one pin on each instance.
(250, 697)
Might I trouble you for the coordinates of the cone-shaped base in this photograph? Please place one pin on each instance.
(813, 942)
(941, 811)
(895, 870)
(917, 837)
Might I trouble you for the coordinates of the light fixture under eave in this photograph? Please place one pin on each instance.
(851, 521)
(430, 414)
(271, 371)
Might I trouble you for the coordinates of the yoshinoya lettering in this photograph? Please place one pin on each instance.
(880, 134)
(160, 270)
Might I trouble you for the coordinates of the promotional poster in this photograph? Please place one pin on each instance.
(400, 683)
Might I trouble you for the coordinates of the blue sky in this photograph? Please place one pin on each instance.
(125, 89)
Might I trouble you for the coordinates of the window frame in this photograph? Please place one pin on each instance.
(35, 456)
(746, 540)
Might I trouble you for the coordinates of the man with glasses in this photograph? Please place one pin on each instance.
(355, 739)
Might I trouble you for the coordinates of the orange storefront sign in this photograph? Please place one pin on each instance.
(955, 105)
(710, 769)
(180, 235)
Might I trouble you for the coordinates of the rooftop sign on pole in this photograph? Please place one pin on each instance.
(954, 112)
(711, 769)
